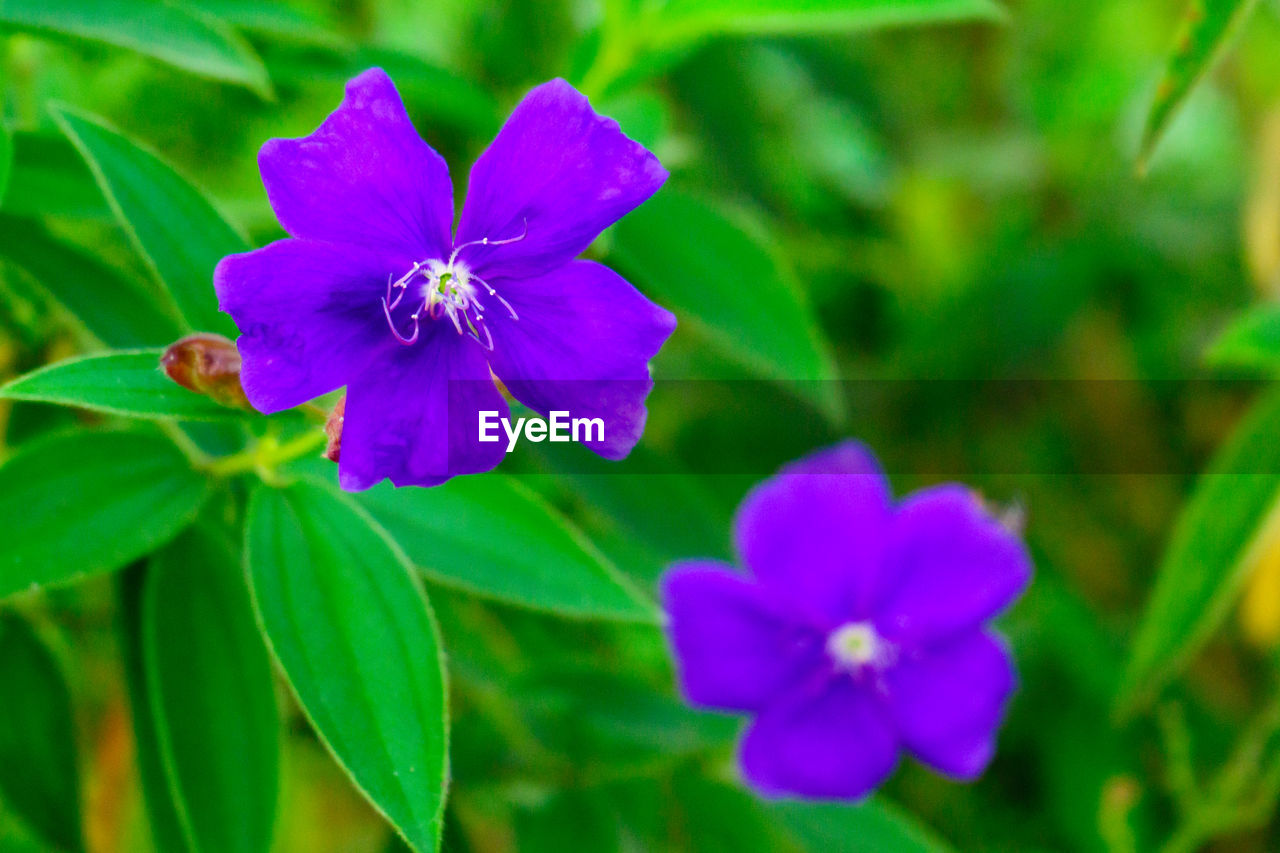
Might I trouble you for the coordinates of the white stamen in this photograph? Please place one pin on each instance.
(449, 288)
(485, 241)
(857, 644)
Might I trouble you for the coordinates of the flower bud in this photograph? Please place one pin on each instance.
(333, 429)
(207, 364)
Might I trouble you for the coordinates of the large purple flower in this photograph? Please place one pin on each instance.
(861, 631)
(374, 291)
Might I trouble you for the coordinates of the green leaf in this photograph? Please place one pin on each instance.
(433, 92)
(1229, 521)
(868, 827)
(6, 159)
(724, 817)
(1251, 342)
(1208, 28)
(173, 34)
(349, 623)
(218, 732)
(119, 383)
(721, 816)
(746, 299)
(50, 178)
(622, 509)
(39, 776)
(541, 828)
(590, 715)
(116, 310)
(89, 503)
(682, 19)
(164, 822)
(174, 226)
(491, 536)
(274, 20)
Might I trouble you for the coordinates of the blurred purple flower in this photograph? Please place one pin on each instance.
(861, 631)
(374, 292)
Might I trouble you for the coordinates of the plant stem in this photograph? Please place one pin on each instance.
(622, 35)
(1177, 747)
(1239, 792)
(190, 449)
(265, 455)
(314, 412)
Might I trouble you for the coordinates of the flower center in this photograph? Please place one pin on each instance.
(856, 644)
(445, 289)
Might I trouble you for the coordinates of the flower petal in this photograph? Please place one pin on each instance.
(947, 705)
(835, 744)
(733, 648)
(364, 177)
(582, 344)
(414, 415)
(814, 532)
(309, 316)
(949, 567)
(558, 173)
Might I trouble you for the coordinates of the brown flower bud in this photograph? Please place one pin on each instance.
(333, 429)
(207, 364)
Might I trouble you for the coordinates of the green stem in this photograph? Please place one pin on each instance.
(623, 35)
(265, 455)
(1177, 748)
(1119, 797)
(314, 413)
(189, 448)
(1188, 838)
(1232, 800)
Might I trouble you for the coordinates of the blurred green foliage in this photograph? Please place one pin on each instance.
(924, 197)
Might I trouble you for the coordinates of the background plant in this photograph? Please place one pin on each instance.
(910, 194)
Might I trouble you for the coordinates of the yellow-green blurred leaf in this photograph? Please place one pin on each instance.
(1251, 342)
(1220, 536)
(693, 18)
(1208, 28)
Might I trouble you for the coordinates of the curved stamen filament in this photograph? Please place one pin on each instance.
(389, 303)
(386, 309)
(485, 241)
(402, 284)
(497, 296)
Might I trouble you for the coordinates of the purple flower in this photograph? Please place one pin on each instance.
(374, 292)
(860, 632)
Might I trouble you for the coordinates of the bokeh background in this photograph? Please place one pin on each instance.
(932, 235)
